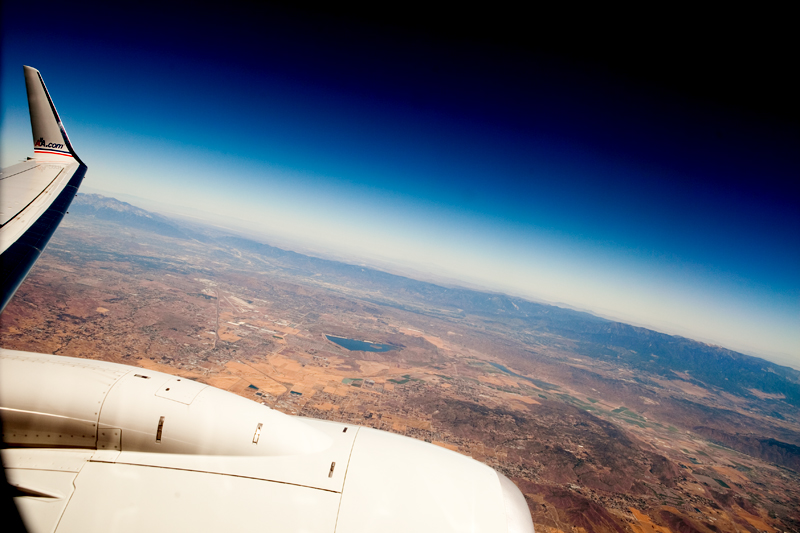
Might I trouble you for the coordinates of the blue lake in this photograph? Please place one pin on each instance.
(364, 346)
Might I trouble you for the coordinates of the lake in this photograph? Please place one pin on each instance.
(364, 346)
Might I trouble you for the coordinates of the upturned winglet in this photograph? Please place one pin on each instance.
(50, 140)
(35, 193)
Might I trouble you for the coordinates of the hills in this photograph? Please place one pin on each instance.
(111, 209)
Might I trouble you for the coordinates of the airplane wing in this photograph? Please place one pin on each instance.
(35, 194)
(98, 446)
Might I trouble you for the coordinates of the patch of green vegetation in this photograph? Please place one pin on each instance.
(630, 417)
(443, 376)
(592, 400)
(542, 396)
(695, 461)
(347, 381)
(741, 468)
(542, 384)
(504, 389)
(398, 381)
(637, 416)
(672, 429)
(718, 447)
(576, 402)
(634, 422)
(406, 379)
(722, 483)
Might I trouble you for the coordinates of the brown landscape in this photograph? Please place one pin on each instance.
(595, 445)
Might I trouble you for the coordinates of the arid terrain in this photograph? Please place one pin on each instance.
(603, 426)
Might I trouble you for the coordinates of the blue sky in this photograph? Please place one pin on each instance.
(527, 173)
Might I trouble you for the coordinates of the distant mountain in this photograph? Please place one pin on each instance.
(113, 210)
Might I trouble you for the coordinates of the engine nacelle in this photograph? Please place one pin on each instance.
(96, 443)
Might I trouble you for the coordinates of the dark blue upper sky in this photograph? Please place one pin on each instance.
(621, 175)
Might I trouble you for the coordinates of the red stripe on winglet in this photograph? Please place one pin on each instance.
(54, 153)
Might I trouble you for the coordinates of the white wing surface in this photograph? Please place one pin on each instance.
(35, 194)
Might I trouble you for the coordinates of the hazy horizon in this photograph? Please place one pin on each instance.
(527, 176)
(412, 270)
